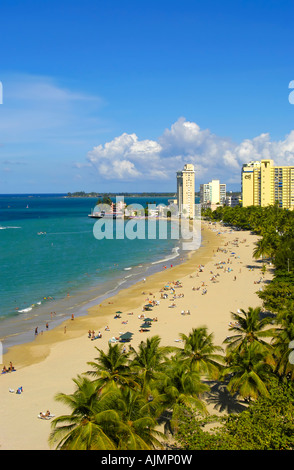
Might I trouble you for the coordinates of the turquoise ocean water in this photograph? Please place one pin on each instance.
(38, 271)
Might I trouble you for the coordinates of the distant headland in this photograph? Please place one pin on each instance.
(101, 195)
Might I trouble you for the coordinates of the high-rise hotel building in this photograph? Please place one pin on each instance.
(264, 184)
(213, 192)
(186, 191)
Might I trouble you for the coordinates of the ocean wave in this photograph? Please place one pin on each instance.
(25, 310)
(8, 227)
(28, 309)
(174, 254)
(127, 269)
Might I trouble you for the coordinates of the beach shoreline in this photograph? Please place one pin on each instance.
(19, 328)
(20, 352)
(46, 365)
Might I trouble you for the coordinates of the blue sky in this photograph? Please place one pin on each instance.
(118, 95)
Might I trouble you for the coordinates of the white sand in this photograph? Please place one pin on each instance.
(47, 365)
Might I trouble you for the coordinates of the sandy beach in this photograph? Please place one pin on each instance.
(47, 364)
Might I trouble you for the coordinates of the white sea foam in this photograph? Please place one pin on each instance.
(28, 309)
(175, 254)
(25, 310)
(8, 227)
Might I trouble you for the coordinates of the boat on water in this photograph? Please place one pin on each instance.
(106, 215)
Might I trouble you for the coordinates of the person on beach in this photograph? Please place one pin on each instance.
(46, 415)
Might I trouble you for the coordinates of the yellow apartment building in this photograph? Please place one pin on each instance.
(264, 184)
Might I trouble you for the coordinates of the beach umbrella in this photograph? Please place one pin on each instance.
(118, 311)
(148, 319)
(126, 336)
(145, 325)
(148, 305)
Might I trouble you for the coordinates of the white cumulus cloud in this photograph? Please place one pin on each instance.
(128, 157)
(125, 157)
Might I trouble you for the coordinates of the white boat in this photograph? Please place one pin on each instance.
(106, 215)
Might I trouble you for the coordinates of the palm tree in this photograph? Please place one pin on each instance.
(249, 327)
(112, 367)
(249, 373)
(147, 361)
(138, 431)
(200, 352)
(180, 386)
(284, 254)
(280, 342)
(92, 422)
(262, 248)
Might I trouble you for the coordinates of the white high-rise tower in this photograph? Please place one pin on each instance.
(186, 191)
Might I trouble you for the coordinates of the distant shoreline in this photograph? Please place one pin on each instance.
(80, 194)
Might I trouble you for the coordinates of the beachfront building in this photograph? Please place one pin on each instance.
(186, 191)
(117, 207)
(212, 194)
(232, 201)
(265, 184)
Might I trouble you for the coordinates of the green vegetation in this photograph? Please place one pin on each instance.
(101, 195)
(122, 401)
(266, 424)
